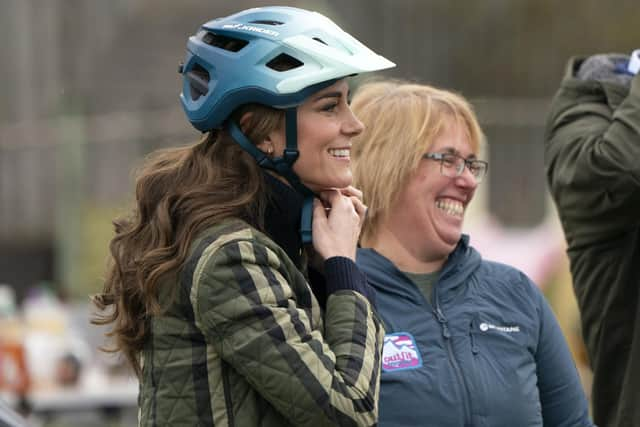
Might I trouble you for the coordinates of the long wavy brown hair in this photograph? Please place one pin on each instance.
(179, 193)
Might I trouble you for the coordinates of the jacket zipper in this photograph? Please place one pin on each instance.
(227, 393)
(474, 347)
(466, 401)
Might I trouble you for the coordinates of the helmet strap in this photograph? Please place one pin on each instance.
(290, 155)
(283, 165)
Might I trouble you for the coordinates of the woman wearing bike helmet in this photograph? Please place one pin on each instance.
(210, 293)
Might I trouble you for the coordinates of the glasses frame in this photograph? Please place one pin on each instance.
(460, 163)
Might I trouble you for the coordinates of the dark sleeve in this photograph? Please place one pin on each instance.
(318, 286)
(563, 401)
(343, 274)
(592, 158)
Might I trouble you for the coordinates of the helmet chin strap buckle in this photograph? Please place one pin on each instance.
(290, 155)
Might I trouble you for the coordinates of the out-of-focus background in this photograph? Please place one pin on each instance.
(88, 87)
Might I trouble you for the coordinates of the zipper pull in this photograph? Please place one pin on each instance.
(445, 331)
(474, 347)
(443, 322)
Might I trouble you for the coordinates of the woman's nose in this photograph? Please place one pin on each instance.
(352, 125)
(467, 179)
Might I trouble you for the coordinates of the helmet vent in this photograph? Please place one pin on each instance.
(198, 81)
(223, 42)
(266, 22)
(284, 62)
(320, 40)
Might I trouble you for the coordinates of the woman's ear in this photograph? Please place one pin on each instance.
(266, 146)
(245, 120)
(273, 143)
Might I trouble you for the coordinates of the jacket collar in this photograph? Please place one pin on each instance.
(386, 277)
(282, 216)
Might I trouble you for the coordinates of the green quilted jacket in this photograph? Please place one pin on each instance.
(592, 156)
(245, 343)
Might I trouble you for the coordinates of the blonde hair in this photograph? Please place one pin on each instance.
(401, 120)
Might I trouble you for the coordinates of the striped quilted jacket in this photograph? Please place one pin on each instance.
(245, 342)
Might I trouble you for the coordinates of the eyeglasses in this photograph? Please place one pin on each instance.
(452, 165)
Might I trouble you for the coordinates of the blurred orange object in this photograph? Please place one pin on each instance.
(14, 376)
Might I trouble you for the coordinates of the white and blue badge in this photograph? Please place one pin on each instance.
(400, 352)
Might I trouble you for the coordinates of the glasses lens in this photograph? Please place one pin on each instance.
(450, 165)
(478, 170)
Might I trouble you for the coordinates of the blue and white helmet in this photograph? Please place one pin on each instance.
(276, 56)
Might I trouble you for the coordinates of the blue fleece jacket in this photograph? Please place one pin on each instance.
(490, 353)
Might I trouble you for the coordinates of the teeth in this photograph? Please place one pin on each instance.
(451, 207)
(339, 152)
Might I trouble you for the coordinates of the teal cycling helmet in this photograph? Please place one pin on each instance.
(275, 56)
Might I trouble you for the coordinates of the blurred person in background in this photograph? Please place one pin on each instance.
(468, 341)
(592, 157)
(210, 293)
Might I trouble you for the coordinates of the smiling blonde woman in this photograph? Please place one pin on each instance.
(468, 342)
